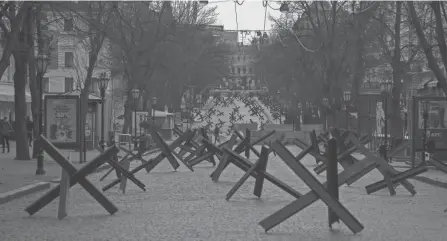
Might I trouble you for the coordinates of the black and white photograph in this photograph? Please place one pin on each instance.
(223, 120)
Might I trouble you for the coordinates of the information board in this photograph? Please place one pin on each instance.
(436, 123)
(62, 120)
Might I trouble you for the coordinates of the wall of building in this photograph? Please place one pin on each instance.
(68, 42)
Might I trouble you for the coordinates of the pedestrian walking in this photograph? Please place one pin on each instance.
(216, 134)
(5, 129)
(30, 129)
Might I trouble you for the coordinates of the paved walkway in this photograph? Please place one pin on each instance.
(15, 174)
(187, 205)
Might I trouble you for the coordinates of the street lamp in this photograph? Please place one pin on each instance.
(385, 87)
(347, 98)
(425, 108)
(136, 96)
(42, 64)
(103, 82)
(154, 103)
(326, 106)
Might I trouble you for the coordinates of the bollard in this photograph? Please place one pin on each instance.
(247, 147)
(332, 178)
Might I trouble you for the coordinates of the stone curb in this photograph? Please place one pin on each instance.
(23, 191)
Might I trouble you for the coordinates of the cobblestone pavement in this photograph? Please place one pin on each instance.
(188, 206)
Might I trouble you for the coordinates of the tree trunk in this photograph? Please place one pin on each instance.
(427, 48)
(33, 84)
(12, 36)
(396, 120)
(22, 150)
(85, 92)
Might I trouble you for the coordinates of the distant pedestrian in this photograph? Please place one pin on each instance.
(216, 134)
(5, 130)
(29, 128)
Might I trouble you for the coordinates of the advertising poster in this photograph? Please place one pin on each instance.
(61, 119)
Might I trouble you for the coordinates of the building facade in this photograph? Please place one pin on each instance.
(69, 56)
(242, 59)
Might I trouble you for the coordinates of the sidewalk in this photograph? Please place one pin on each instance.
(15, 174)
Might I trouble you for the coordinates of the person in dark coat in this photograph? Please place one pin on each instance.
(29, 128)
(5, 130)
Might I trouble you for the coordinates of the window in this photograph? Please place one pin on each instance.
(250, 70)
(46, 85)
(68, 24)
(244, 70)
(239, 70)
(238, 57)
(68, 84)
(69, 60)
(243, 57)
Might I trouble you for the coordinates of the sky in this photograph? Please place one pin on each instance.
(250, 15)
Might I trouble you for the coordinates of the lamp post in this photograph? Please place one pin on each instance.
(326, 106)
(386, 88)
(426, 108)
(279, 106)
(103, 82)
(300, 113)
(42, 64)
(136, 96)
(154, 103)
(347, 98)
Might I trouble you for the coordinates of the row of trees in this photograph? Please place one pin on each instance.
(323, 48)
(157, 47)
